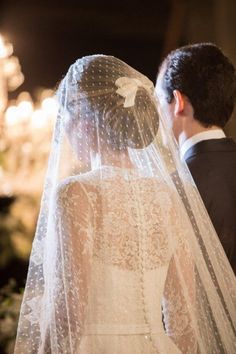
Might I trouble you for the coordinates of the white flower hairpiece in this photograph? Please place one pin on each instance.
(127, 88)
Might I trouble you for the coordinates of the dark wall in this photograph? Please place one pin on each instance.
(49, 36)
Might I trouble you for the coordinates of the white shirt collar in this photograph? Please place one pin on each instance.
(207, 135)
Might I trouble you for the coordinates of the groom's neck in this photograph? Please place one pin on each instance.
(192, 127)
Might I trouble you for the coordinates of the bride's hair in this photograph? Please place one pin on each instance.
(95, 100)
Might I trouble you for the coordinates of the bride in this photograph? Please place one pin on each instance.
(125, 259)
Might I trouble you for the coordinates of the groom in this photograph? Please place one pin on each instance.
(196, 88)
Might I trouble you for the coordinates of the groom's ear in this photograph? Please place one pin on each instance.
(179, 102)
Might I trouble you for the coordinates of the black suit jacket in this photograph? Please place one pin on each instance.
(212, 164)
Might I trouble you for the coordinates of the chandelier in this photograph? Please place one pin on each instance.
(25, 128)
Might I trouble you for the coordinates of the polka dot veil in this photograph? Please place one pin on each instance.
(125, 258)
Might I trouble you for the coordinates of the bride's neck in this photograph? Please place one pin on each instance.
(111, 157)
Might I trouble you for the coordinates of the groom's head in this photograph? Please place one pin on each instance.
(199, 82)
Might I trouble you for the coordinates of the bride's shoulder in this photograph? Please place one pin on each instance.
(78, 185)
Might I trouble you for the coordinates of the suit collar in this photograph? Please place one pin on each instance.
(213, 145)
(216, 133)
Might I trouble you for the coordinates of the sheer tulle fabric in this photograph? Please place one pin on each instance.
(125, 258)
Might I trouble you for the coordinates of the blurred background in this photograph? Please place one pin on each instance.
(38, 42)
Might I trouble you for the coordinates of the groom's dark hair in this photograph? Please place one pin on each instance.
(206, 76)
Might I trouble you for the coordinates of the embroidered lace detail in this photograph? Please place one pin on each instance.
(125, 230)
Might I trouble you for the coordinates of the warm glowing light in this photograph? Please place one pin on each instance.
(3, 51)
(45, 93)
(38, 119)
(6, 49)
(11, 76)
(27, 128)
(49, 106)
(24, 96)
(10, 66)
(15, 81)
(25, 109)
(11, 115)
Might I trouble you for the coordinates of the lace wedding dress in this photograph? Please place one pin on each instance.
(130, 265)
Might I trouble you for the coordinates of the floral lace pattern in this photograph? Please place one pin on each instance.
(125, 240)
(118, 242)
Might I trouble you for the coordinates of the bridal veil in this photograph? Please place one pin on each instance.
(125, 257)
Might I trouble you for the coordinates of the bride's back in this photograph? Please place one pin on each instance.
(123, 234)
(128, 212)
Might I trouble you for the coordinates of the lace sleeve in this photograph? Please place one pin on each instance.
(74, 227)
(179, 295)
